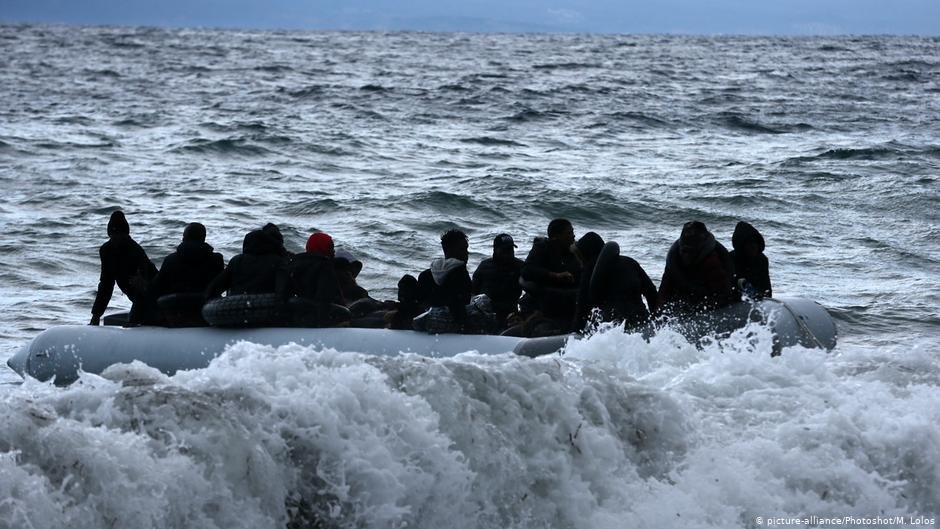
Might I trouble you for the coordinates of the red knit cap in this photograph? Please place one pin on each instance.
(320, 244)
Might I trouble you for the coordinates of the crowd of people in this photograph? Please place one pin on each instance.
(563, 285)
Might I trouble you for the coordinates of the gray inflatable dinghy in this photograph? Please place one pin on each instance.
(61, 353)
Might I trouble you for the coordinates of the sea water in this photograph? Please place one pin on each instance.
(829, 146)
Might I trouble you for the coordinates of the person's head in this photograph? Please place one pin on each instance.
(320, 243)
(747, 241)
(590, 245)
(691, 241)
(504, 247)
(408, 289)
(455, 245)
(561, 232)
(194, 232)
(117, 224)
(274, 232)
(345, 261)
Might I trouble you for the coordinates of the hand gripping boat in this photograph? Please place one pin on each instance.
(61, 353)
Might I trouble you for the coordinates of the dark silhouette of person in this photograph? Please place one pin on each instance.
(312, 277)
(347, 270)
(254, 271)
(552, 274)
(498, 278)
(447, 283)
(699, 273)
(626, 285)
(124, 262)
(409, 304)
(190, 268)
(751, 267)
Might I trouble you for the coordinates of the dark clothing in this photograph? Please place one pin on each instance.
(124, 262)
(499, 280)
(189, 269)
(754, 270)
(706, 283)
(254, 271)
(446, 284)
(622, 300)
(313, 277)
(545, 259)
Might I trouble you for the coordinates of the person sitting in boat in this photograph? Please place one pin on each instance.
(186, 273)
(751, 268)
(699, 273)
(498, 278)
(311, 287)
(616, 286)
(347, 270)
(550, 276)
(254, 271)
(124, 262)
(446, 288)
(409, 305)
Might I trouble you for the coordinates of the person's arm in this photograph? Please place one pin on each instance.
(534, 268)
(647, 288)
(220, 284)
(458, 287)
(477, 281)
(105, 289)
(765, 276)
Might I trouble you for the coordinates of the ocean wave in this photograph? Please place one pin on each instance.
(225, 146)
(567, 66)
(739, 122)
(491, 141)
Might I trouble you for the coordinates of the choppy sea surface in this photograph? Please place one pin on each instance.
(830, 146)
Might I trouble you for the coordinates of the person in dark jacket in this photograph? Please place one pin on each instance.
(124, 262)
(190, 268)
(626, 284)
(552, 273)
(699, 274)
(254, 271)
(498, 278)
(751, 268)
(347, 270)
(446, 284)
(312, 277)
(185, 274)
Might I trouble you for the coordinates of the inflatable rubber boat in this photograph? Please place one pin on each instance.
(62, 353)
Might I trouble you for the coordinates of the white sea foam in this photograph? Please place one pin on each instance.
(617, 432)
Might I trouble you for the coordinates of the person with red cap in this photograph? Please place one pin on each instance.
(310, 285)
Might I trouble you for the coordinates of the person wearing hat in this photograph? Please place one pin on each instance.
(311, 276)
(124, 262)
(347, 270)
(188, 270)
(254, 271)
(699, 273)
(751, 268)
(498, 278)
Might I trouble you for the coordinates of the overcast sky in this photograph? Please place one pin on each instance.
(790, 17)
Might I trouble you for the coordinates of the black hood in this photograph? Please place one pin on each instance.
(590, 245)
(194, 250)
(744, 233)
(258, 242)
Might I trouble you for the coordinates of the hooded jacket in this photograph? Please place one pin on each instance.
(124, 262)
(756, 270)
(254, 271)
(189, 269)
(706, 283)
(311, 276)
(543, 260)
(446, 284)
